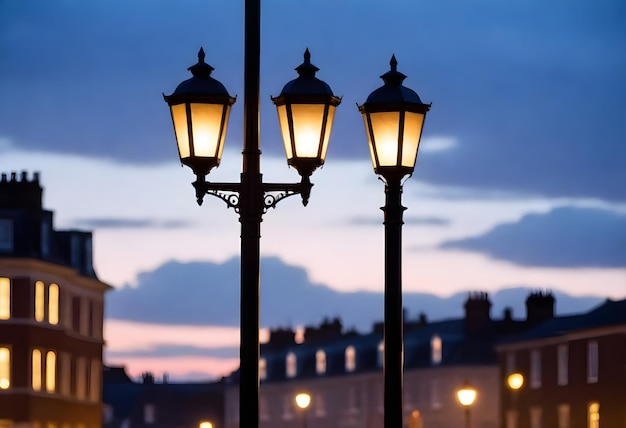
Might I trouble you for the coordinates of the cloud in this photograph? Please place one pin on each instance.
(409, 220)
(204, 294)
(502, 76)
(128, 223)
(564, 237)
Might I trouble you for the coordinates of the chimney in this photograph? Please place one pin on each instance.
(539, 306)
(477, 317)
(282, 337)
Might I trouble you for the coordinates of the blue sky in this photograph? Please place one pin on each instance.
(519, 181)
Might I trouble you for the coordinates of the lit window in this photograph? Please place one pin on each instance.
(36, 370)
(291, 369)
(6, 234)
(350, 359)
(535, 417)
(592, 361)
(5, 368)
(262, 369)
(320, 362)
(535, 369)
(563, 416)
(435, 346)
(53, 304)
(594, 415)
(39, 301)
(562, 365)
(51, 371)
(381, 353)
(5, 298)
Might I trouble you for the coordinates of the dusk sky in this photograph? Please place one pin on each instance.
(520, 180)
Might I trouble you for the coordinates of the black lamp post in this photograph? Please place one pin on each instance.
(393, 116)
(200, 108)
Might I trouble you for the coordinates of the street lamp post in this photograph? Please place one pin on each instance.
(200, 109)
(303, 401)
(466, 396)
(394, 117)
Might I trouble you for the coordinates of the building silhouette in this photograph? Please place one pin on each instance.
(574, 370)
(342, 371)
(51, 316)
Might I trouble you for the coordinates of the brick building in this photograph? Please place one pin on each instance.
(51, 316)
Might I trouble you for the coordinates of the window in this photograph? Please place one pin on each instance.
(262, 369)
(94, 390)
(320, 362)
(40, 306)
(511, 419)
(81, 378)
(264, 412)
(36, 370)
(148, 414)
(287, 407)
(353, 399)
(6, 234)
(562, 364)
(435, 394)
(435, 346)
(65, 370)
(5, 298)
(292, 367)
(381, 353)
(51, 371)
(594, 415)
(535, 417)
(563, 416)
(592, 361)
(45, 239)
(535, 369)
(5, 368)
(350, 359)
(320, 406)
(53, 304)
(510, 362)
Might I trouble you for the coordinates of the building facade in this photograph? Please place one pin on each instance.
(574, 371)
(51, 316)
(343, 372)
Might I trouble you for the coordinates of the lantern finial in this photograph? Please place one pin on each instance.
(201, 69)
(306, 69)
(393, 77)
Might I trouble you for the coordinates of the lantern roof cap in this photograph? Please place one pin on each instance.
(306, 83)
(393, 92)
(201, 83)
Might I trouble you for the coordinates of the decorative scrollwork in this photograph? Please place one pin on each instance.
(271, 199)
(231, 198)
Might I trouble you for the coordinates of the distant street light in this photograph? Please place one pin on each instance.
(515, 381)
(205, 424)
(303, 401)
(466, 396)
(394, 117)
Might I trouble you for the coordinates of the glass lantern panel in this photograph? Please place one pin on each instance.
(385, 129)
(329, 127)
(206, 122)
(226, 118)
(307, 128)
(369, 139)
(412, 131)
(284, 128)
(179, 117)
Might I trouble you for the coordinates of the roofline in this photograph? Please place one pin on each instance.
(587, 333)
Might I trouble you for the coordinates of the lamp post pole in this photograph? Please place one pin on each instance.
(393, 326)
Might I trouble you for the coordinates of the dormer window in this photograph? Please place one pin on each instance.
(350, 359)
(436, 349)
(291, 368)
(6, 234)
(380, 356)
(320, 362)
